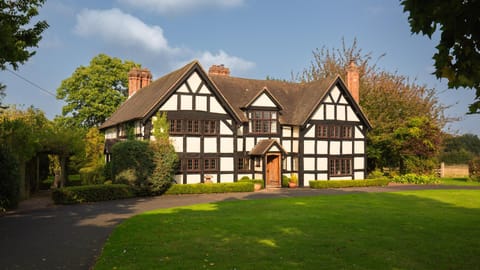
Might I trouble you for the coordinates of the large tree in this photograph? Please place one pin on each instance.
(93, 92)
(458, 52)
(17, 34)
(392, 103)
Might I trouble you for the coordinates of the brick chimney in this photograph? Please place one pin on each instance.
(353, 80)
(220, 70)
(137, 79)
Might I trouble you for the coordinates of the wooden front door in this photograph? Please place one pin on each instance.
(273, 170)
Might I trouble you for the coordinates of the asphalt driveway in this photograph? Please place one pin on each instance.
(40, 235)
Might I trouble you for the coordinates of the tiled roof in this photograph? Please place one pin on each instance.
(263, 146)
(297, 100)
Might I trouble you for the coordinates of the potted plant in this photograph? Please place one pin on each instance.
(293, 181)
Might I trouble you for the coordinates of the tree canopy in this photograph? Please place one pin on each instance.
(94, 92)
(397, 108)
(458, 52)
(460, 149)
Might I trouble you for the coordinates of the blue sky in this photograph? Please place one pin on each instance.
(254, 38)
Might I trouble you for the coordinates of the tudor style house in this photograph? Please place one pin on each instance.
(224, 128)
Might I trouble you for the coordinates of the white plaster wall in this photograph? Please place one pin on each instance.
(215, 107)
(183, 89)
(311, 132)
(351, 116)
(201, 103)
(179, 178)
(358, 133)
(322, 176)
(322, 164)
(177, 143)
(249, 143)
(193, 178)
(342, 100)
(204, 90)
(286, 131)
(309, 147)
(335, 148)
(341, 178)
(318, 115)
(296, 132)
(226, 164)
(288, 166)
(309, 163)
(111, 133)
(307, 177)
(263, 101)
(194, 81)
(322, 147)
(341, 113)
(186, 102)
(359, 163)
(210, 145)
(346, 148)
(359, 175)
(226, 178)
(295, 146)
(193, 145)
(287, 145)
(258, 176)
(170, 104)
(335, 93)
(224, 129)
(240, 144)
(359, 147)
(330, 112)
(226, 145)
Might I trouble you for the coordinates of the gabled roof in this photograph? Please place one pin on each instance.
(144, 100)
(296, 101)
(263, 146)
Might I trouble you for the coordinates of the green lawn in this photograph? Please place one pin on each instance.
(436, 229)
(458, 182)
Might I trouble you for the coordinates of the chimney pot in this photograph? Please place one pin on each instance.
(137, 79)
(220, 70)
(353, 81)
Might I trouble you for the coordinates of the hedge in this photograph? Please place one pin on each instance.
(211, 188)
(412, 178)
(254, 181)
(348, 183)
(91, 193)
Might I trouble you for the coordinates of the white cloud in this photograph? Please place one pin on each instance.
(126, 31)
(116, 27)
(169, 7)
(235, 64)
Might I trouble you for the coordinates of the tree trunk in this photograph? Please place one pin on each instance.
(63, 170)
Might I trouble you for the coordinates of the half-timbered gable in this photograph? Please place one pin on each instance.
(225, 128)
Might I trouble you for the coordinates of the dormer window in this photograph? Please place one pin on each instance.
(263, 122)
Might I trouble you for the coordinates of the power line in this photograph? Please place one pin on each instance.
(32, 83)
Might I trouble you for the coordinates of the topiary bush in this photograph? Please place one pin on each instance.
(411, 178)
(211, 188)
(285, 180)
(91, 193)
(246, 179)
(348, 183)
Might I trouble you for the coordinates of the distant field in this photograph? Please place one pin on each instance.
(436, 229)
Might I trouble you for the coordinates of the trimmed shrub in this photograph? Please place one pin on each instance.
(246, 179)
(376, 174)
(348, 183)
(285, 180)
(91, 175)
(411, 178)
(91, 193)
(166, 162)
(134, 155)
(9, 186)
(211, 188)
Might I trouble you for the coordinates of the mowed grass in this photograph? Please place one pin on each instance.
(436, 229)
(461, 181)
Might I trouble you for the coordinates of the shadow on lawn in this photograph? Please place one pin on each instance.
(426, 230)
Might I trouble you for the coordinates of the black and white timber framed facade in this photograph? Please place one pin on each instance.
(224, 128)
